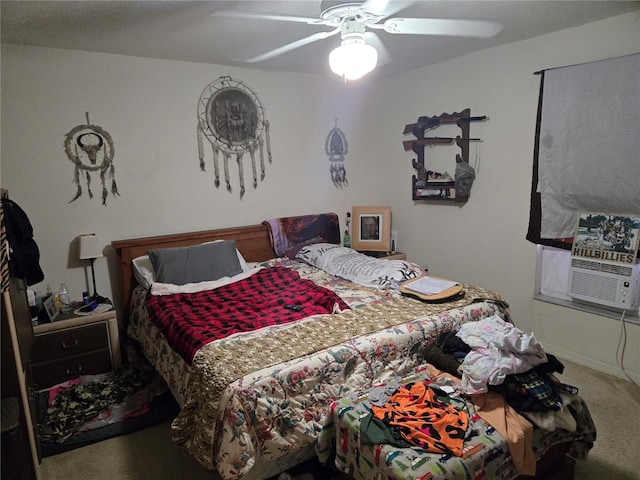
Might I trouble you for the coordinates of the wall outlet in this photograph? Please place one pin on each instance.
(427, 266)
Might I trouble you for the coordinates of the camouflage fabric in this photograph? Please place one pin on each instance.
(73, 408)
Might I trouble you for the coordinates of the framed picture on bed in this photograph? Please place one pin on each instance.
(371, 229)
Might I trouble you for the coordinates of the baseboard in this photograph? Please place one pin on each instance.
(593, 364)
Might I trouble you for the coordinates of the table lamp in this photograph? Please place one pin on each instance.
(90, 249)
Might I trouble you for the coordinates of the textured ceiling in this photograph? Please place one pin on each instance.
(186, 30)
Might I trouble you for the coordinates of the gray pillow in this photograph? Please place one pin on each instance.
(198, 263)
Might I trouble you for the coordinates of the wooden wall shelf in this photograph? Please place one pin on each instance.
(443, 189)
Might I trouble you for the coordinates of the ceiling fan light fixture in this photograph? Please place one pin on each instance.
(353, 59)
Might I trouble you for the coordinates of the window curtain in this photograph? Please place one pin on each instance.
(587, 146)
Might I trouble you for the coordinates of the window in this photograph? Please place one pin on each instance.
(585, 157)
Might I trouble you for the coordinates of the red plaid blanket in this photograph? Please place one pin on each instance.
(191, 320)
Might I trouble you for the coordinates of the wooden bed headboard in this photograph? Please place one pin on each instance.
(252, 241)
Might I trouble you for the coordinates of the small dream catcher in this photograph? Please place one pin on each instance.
(337, 147)
(90, 148)
(232, 118)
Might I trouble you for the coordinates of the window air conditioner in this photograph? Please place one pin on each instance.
(612, 285)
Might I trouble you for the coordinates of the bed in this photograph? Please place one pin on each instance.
(254, 403)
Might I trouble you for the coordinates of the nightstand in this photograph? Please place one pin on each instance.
(75, 345)
(387, 255)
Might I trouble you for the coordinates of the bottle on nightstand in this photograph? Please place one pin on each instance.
(65, 299)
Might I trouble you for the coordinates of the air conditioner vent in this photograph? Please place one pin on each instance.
(617, 269)
(607, 284)
(595, 286)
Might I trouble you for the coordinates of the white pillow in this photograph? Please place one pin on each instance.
(145, 274)
(359, 268)
(143, 271)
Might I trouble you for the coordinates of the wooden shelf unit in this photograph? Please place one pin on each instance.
(447, 190)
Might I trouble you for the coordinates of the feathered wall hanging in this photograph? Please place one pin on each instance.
(90, 148)
(232, 118)
(336, 147)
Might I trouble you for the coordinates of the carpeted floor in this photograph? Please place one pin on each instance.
(614, 404)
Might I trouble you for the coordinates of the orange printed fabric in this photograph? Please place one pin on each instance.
(423, 420)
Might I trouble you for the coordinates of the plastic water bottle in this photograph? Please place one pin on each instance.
(65, 299)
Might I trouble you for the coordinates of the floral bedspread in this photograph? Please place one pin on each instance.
(265, 394)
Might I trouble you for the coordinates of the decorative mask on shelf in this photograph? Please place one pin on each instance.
(90, 148)
(232, 118)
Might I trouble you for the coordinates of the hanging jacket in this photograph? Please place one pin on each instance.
(24, 255)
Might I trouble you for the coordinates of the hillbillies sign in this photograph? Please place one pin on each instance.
(607, 237)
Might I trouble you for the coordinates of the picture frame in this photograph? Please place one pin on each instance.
(371, 228)
(51, 307)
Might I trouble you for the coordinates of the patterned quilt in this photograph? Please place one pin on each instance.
(260, 396)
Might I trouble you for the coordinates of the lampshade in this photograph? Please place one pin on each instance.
(353, 58)
(89, 247)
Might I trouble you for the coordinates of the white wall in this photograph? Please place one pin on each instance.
(483, 242)
(149, 108)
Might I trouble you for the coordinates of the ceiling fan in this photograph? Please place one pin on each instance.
(359, 50)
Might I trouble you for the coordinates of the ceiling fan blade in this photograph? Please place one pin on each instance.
(264, 16)
(293, 45)
(386, 8)
(443, 26)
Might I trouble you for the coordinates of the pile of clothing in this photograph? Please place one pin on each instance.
(501, 371)
(495, 356)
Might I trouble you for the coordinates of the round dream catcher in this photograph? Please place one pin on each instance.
(232, 118)
(90, 148)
